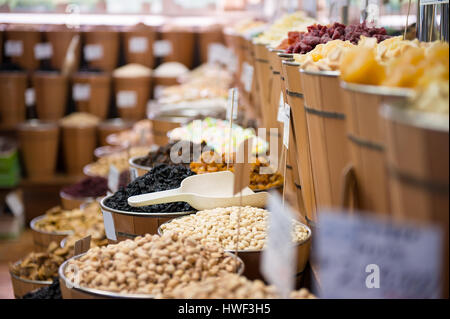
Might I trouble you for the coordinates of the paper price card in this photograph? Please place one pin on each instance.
(280, 114)
(233, 101)
(216, 53)
(247, 76)
(15, 203)
(138, 44)
(93, 52)
(113, 178)
(279, 259)
(162, 48)
(82, 245)
(110, 229)
(286, 125)
(29, 97)
(13, 48)
(126, 99)
(43, 51)
(133, 173)
(363, 257)
(81, 92)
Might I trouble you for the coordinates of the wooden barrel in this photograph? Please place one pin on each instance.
(262, 70)
(294, 96)
(366, 144)
(417, 157)
(128, 225)
(138, 44)
(101, 47)
(42, 239)
(325, 116)
(162, 125)
(23, 286)
(12, 97)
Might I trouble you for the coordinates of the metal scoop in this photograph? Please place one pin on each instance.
(205, 191)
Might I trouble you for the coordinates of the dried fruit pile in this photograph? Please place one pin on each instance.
(303, 42)
(161, 178)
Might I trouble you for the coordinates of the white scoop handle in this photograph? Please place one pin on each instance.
(163, 197)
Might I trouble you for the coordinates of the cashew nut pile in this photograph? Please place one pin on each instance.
(219, 226)
(149, 265)
(232, 286)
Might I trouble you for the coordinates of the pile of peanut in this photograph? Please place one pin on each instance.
(219, 226)
(231, 286)
(149, 265)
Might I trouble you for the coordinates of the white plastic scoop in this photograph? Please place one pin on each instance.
(205, 191)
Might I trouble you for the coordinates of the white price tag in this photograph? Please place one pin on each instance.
(363, 257)
(93, 52)
(126, 99)
(29, 97)
(216, 53)
(110, 229)
(138, 44)
(232, 61)
(43, 51)
(286, 125)
(81, 92)
(233, 103)
(162, 48)
(15, 203)
(133, 173)
(113, 178)
(279, 259)
(13, 48)
(247, 76)
(280, 114)
(158, 91)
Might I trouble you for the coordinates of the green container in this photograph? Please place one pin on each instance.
(9, 163)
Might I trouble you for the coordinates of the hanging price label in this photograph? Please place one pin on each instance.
(81, 92)
(126, 99)
(162, 48)
(113, 178)
(13, 48)
(15, 203)
(280, 114)
(93, 52)
(247, 76)
(286, 125)
(138, 44)
(110, 229)
(29, 97)
(43, 51)
(133, 173)
(279, 259)
(361, 256)
(217, 54)
(233, 99)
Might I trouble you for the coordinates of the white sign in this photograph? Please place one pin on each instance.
(363, 257)
(158, 91)
(43, 51)
(81, 92)
(427, 2)
(15, 204)
(113, 178)
(13, 48)
(233, 103)
(110, 229)
(126, 99)
(93, 52)
(29, 97)
(217, 53)
(280, 114)
(279, 259)
(286, 125)
(247, 76)
(138, 44)
(133, 173)
(162, 48)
